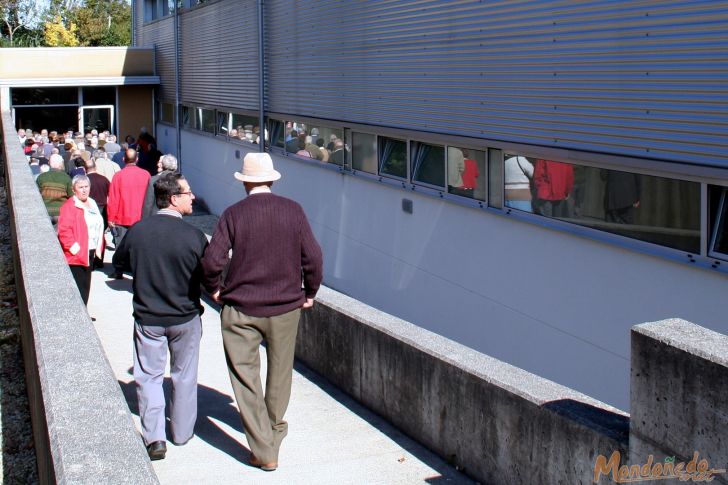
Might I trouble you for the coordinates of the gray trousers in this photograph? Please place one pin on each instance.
(262, 414)
(150, 358)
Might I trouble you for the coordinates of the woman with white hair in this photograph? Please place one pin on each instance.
(81, 233)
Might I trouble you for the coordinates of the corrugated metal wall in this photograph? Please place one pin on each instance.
(639, 78)
(219, 54)
(160, 35)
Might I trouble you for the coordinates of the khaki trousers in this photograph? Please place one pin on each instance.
(262, 414)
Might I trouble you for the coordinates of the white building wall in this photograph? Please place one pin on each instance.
(556, 304)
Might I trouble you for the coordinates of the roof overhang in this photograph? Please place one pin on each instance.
(80, 81)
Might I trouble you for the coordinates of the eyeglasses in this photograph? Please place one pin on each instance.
(184, 193)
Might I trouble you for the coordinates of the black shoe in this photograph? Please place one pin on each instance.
(157, 450)
(118, 275)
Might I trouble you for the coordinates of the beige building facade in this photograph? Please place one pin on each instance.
(79, 88)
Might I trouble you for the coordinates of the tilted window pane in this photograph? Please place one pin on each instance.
(719, 212)
(392, 157)
(466, 175)
(427, 163)
(188, 117)
(364, 152)
(277, 132)
(223, 123)
(207, 120)
(653, 209)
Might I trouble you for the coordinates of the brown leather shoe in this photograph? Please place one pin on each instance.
(268, 467)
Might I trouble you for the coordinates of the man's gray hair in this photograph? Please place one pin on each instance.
(78, 179)
(168, 162)
(99, 154)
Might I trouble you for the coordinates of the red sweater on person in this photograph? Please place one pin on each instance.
(126, 195)
(273, 246)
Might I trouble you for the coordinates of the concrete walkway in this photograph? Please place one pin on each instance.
(331, 438)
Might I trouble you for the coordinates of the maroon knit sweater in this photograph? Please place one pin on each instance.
(273, 246)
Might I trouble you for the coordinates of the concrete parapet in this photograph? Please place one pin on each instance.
(679, 394)
(82, 427)
(499, 423)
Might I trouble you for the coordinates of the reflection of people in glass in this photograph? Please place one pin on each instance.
(470, 175)
(554, 182)
(518, 175)
(622, 195)
(455, 168)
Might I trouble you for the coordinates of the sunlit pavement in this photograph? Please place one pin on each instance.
(331, 438)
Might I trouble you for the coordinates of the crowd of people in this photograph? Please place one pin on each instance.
(274, 272)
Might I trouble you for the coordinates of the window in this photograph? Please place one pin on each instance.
(495, 178)
(311, 140)
(206, 120)
(718, 211)
(188, 118)
(653, 209)
(44, 96)
(166, 112)
(466, 174)
(157, 9)
(427, 163)
(392, 157)
(364, 152)
(277, 133)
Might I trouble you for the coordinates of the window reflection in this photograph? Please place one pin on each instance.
(392, 157)
(466, 175)
(206, 120)
(653, 209)
(318, 142)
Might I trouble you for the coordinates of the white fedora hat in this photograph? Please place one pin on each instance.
(258, 167)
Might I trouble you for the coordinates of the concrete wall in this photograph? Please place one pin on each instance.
(679, 394)
(499, 423)
(535, 297)
(82, 427)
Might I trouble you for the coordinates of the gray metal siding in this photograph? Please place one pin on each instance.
(640, 78)
(160, 35)
(219, 54)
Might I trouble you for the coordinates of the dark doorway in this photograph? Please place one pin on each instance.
(60, 119)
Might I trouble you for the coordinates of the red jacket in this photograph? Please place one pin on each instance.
(554, 180)
(73, 233)
(126, 195)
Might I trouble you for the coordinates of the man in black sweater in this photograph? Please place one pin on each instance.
(273, 250)
(164, 255)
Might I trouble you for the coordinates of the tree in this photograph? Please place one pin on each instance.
(57, 35)
(20, 14)
(103, 22)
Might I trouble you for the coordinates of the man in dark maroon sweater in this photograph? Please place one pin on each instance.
(261, 297)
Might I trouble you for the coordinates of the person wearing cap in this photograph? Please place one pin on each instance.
(164, 254)
(262, 297)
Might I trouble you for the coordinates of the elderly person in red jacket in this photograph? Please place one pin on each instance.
(81, 233)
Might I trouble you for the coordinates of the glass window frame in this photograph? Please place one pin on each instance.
(406, 177)
(412, 169)
(719, 222)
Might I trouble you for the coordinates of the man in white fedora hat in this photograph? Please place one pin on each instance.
(262, 298)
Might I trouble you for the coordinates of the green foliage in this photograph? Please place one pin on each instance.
(25, 23)
(103, 22)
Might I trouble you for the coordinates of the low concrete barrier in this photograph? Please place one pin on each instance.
(679, 395)
(499, 423)
(82, 426)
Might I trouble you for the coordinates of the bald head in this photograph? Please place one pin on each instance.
(56, 162)
(130, 156)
